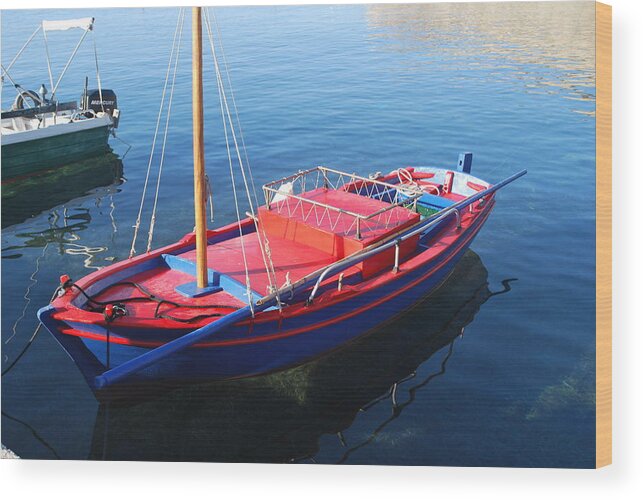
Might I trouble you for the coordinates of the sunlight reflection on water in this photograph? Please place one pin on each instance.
(508, 37)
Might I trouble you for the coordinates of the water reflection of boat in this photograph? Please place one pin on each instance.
(27, 197)
(280, 417)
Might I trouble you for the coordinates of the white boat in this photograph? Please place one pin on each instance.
(41, 132)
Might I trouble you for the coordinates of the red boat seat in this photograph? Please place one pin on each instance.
(335, 233)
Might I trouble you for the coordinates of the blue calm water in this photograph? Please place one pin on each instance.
(472, 376)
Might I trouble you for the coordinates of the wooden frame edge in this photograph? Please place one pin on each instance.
(603, 234)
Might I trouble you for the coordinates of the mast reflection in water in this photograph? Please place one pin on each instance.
(281, 417)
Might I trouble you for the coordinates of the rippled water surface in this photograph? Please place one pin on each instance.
(472, 376)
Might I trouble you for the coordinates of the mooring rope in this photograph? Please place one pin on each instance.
(26, 294)
(34, 433)
(30, 341)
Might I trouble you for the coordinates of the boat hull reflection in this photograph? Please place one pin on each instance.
(28, 196)
(279, 418)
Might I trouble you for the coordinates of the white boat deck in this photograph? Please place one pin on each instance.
(22, 124)
(15, 130)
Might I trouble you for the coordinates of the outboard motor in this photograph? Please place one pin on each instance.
(92, 100)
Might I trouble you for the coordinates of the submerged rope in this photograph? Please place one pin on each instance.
(34, 433)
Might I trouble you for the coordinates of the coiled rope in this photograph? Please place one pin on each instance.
(100, 305)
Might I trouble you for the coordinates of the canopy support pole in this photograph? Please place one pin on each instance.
(73, 54)
(23, 47)
(51, 76)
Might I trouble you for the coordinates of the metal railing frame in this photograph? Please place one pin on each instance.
(426, 225)
(409, 197)
(395, 242)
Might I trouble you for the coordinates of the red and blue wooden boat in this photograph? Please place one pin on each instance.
(342, 272)
(328, 258)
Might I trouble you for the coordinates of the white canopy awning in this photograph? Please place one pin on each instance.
(84, 23)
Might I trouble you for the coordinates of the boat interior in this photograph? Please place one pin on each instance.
(32, 118)
(24, 123)
(302, 227)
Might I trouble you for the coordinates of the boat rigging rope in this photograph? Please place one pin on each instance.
(265, 252)
(150, 233)
(234, 102)
(225, 112)
(236, 200)
(208, 194)
(264, 245)
(137, 225)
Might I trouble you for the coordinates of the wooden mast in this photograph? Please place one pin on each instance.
(199, 155)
